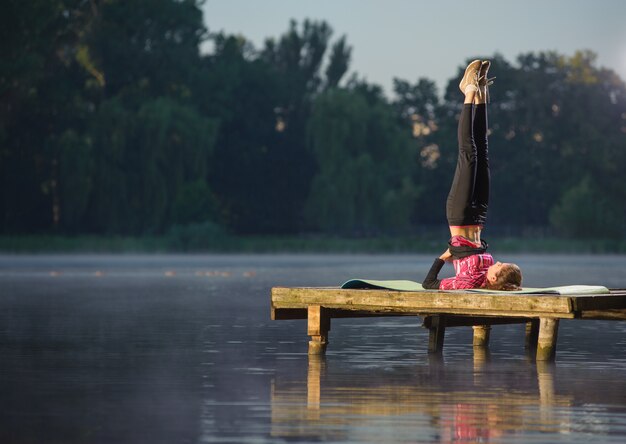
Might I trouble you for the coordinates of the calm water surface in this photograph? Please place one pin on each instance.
(180, 349)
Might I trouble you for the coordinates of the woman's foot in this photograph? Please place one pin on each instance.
(469, 82)
(483, 82)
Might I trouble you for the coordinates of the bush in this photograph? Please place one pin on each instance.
(196, 237)
(194, 203)
(585, 212)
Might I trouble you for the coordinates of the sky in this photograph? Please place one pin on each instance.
(410, 39)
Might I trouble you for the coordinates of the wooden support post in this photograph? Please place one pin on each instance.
(318, 327)
(481, 335)
(546, 342)
(532, 334)
(437, 327)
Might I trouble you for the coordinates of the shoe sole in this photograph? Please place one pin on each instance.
(480, 70)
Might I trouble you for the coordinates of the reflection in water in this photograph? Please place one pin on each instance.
(335, 406)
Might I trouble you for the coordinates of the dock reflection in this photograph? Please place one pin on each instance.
(475, 407)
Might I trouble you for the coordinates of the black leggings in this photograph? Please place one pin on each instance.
(468, 199)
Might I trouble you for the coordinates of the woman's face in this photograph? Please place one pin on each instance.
(492, 272)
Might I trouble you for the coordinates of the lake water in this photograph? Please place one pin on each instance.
(181, 349)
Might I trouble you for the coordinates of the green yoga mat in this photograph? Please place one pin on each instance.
(370, 284)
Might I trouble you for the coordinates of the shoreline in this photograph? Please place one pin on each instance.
(293, 244)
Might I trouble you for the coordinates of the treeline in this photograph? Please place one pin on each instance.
(112, 121)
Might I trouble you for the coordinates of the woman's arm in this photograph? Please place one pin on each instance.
(431, 281)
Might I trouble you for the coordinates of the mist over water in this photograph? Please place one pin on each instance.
(180, 348)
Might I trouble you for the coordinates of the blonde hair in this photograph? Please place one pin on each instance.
(509, 278)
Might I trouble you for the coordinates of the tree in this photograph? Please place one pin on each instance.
(147, 48)
(145, 162)
(365, 161)
(150, 139)
(39, 103)
(585, 211)
(112, 122)
(417, 108)
(263, 169)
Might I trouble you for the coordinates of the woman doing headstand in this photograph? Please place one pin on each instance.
(468, 200)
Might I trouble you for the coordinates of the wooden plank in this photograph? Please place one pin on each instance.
(392, 311)
(604, 315)
(601, 307)
(456, 320)
(599, 302)
(436, 302)
(343, 313)
(279, 314)
(301, 313)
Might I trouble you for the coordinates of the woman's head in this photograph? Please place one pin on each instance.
(504, 276)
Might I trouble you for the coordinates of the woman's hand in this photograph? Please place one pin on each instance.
(446, 256)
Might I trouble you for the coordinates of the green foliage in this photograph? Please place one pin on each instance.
(338, 63)
(263, 169)
(585, 212)
(145, 162)
(76, 169)
(197, 237)
(111, 121)
(417, 101)
(147, 48)
(195, 203)
(365, 162)
(39, 102)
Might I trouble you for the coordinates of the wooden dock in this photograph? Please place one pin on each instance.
(540, 312)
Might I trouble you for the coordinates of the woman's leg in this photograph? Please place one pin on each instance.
(483, 177)
(459, 202)
(480, 128)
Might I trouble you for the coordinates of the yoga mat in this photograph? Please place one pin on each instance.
(403, 285)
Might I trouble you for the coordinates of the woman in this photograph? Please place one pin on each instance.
(467, 203)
